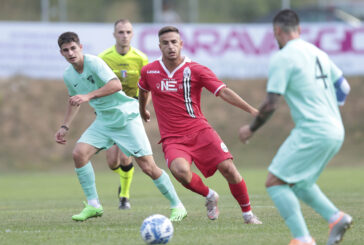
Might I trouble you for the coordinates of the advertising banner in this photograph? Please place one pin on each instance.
(232, 51)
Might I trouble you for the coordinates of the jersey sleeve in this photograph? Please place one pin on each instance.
(143, 84)
(70, 88)
(278, 74)
(210, 81)
(335, 72)
(103, 71)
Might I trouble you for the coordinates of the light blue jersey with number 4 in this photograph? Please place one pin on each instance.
(305, 76)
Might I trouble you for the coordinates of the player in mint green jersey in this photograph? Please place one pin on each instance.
(126, 62)
(313, 87)
(89, 79)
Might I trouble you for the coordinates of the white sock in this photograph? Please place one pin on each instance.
(304, 238)
(180, 205)
(247, 214)
(94, 203)
(211, 192)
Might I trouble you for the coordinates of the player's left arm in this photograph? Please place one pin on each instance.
(342, 88)
(234, 99)
(113, 86)
(266, 110)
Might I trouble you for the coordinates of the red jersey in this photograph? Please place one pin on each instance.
(176, 95)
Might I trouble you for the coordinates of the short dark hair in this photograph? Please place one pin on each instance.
(68, 37)
(167, 29)
(124, 21)
(287, 19)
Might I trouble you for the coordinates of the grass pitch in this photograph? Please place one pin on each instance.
(36, 208)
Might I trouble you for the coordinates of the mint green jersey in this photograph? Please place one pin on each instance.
(113, 110)
(305, 76)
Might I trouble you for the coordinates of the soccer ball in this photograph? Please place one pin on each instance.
(156, 229)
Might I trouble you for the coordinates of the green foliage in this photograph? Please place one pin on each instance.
(215, 11)
(20, 10)
(235, 10)
(37, 208)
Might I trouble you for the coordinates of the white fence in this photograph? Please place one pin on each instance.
(230, 50)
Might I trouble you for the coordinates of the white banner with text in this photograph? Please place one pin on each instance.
(232, 51)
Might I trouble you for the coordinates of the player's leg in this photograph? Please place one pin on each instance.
(86, 176)
(164, 185)
(91, 141)
(181, 170)
(289, 208)
(179, 160)
(133, 141)
(310, 193)
(123, 166)
(238, 189)
(315, 198)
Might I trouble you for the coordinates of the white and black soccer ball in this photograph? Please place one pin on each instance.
(156, 229)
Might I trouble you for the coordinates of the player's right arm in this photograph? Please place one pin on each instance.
(71, 113)
(143, 95)
(143, 102)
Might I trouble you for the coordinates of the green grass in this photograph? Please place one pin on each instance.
(36, 208)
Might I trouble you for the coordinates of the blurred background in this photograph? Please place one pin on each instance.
(188, 11)
(33, 97)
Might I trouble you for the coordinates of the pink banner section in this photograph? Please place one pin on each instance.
(234, 51)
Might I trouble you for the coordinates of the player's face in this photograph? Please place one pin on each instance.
(123, 34)
(72, 52)
(170, 44)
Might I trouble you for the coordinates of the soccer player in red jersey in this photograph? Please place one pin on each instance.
(176, 84)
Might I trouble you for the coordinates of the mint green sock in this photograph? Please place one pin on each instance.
(315, 198)
(166, 187)
(289, 208)
(86, 176)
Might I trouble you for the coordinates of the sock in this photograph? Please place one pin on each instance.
(315, 198)
(247, 214)
(240, 193)
(196, 185)
(94, 203)
(166, 187)
(289, 208)
(126, 176)
(86, 176)
(304, 239)
(211, 192)
(334, 217)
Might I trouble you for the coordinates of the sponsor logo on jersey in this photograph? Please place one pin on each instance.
(91, 79)
(168, 86)
(153, 72)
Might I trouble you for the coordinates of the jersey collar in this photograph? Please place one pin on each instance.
(170, 74)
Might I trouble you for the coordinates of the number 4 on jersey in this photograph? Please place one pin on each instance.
(321, 73)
